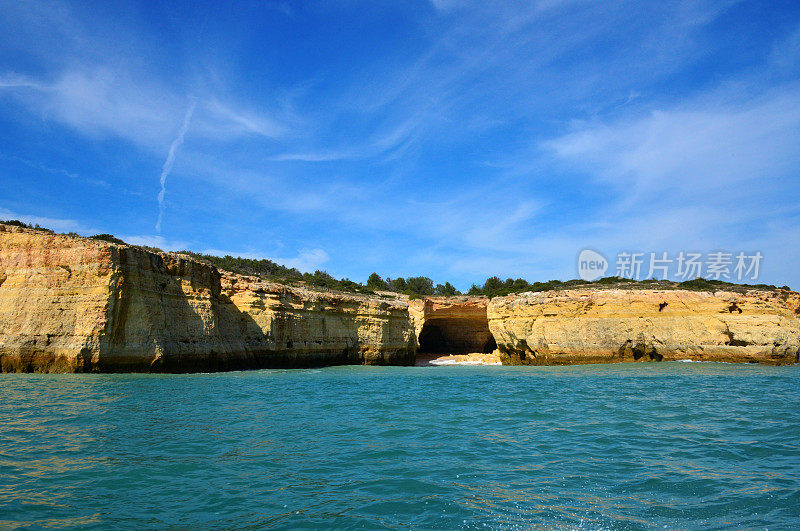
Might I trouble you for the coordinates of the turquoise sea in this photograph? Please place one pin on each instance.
(629, 446)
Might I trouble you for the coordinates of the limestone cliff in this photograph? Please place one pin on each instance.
(613, 325)
(73, 304)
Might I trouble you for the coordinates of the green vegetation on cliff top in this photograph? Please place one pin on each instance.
(416, 287)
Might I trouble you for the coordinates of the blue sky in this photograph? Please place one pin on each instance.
(455, 140)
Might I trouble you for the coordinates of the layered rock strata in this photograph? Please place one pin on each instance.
(70, 304)
(612, 325)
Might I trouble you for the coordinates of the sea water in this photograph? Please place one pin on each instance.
(628, 446)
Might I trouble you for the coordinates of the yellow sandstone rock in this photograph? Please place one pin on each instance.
(613, 325)
(71, 304)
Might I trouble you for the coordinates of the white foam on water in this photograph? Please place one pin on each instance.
(699, 361)
(454, 362)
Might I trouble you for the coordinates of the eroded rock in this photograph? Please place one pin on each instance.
(613, 325)
(70, 304)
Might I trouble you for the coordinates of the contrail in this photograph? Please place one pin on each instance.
(171, 159)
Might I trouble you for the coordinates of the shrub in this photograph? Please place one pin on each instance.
(248, 266)
(610, 280)
(16, 223)
(704, 284)
(107, 238)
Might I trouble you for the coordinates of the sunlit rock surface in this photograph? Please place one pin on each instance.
(613, 325)
(72, 304)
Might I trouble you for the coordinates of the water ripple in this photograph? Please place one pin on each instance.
(626, 447)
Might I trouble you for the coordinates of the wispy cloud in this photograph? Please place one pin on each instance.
(223, 120)
(11, 80)
(170, 161)
(477, 138)
(55, 171)
(306, 261)
(718, 143)
(58, 224)
(107, 102)
(156, 241)
(100, 103)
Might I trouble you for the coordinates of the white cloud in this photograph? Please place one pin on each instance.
(101, 102)
(170, 161)
(223, 121)
(155, 241)
(315, 156)
(447, 5)
(668, 177)
(307, 260)
(11, 80)
(57, 224)
(700, 148)
(71, 225)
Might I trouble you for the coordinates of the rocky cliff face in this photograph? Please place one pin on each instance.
(71, 304)
(611, 325)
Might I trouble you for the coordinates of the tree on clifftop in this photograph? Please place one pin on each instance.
(398, 284)
(376, 282)
(419, 285)
(447, 289)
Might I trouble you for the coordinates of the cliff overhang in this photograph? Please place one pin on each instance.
(452, 325)
(72, 304)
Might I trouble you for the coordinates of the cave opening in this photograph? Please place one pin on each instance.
(456, 336)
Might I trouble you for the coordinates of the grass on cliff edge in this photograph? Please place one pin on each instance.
(417, 287)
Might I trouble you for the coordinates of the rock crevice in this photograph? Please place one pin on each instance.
(613, 325)
(71, 304)
(121, 308)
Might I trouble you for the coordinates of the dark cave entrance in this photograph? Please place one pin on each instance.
(456, 336)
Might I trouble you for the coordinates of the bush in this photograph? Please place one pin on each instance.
(248, 266)
(611, 280)
(154, 250)
(699, 284)
(107, 238)
(16, 223)
(417, 287)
